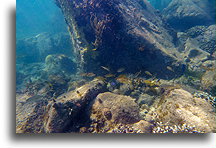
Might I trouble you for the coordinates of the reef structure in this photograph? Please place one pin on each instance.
(120, 33)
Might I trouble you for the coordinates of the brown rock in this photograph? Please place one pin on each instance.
(110, 110)
(179, 107)
(38, 115)
(208, 81)
(63, 114)
(30, 111)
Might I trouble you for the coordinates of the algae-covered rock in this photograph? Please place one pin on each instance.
(65, 112)
(195, 57)
(59, 64)
(178, 107)
(120, 33)
(37, 114)
(209, 81)
(146, 99)
(205, 37)
(202, 36)
(30, 111)
(110, 109)
(117, 108)
(184, 14)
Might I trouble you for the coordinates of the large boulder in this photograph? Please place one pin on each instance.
(66, 112)
(184, 14)
(116, 108)
(112, 113)
(120, 33)
(178, 108)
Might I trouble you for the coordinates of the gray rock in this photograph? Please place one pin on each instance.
(194, 54)
(205, 37)
(184, 14)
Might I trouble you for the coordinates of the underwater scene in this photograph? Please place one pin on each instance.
(115, 66)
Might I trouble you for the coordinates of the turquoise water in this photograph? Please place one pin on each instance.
(37, 16)
(160, 4)
(69, 52)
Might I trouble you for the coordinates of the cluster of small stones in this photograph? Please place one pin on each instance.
(207, 97)
(166, 128)
(120, 128)
(125, 129)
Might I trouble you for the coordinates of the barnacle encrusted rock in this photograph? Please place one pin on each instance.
(178, 107)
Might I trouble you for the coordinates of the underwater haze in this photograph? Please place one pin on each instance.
(36, 16)
(115, 66)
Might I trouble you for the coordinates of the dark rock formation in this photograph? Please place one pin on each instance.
(68, 110)
(35, 49)
(184, 14)
(119, 33)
